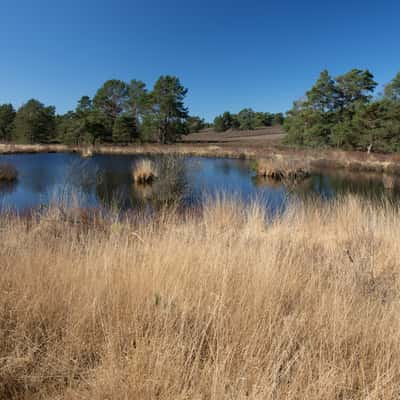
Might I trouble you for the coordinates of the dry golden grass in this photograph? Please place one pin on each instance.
(282, 169)
(144, 171)
(216, 304)
(87, 152)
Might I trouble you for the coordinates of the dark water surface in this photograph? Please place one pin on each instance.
(105, 180)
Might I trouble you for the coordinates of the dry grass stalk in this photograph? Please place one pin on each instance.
(144, 171)
(215, 305)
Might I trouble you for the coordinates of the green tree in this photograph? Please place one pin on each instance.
(168, 108)
(124, 129)
(86, 125)
(323, 95)
(247, 119)
(354, 87)
(392, 89)
(219, 124)
(63, 126)
(226, 121)
(325, 116)
(376, 126)
(84, 105)
(278, 119)
(138, 101)
(343, 135)
(195, 124)
(306, 126)
(138, 104)
(149, 130)
(95, 125)
(97, 128)
(7, 116)
(111, 99)
(34, 123)
(262, 119)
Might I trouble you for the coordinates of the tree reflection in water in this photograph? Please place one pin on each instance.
(117, 189)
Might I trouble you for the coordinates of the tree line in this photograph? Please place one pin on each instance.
(119, 112)
(336, 112)
(246, 119)
(342, 112)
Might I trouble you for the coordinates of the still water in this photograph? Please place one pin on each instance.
(106, 180)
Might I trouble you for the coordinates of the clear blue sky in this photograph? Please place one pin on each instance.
(230, 54)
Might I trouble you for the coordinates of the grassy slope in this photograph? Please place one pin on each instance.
(216, 304)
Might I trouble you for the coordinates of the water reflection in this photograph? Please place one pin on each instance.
(331, 183)
(373, 186)
(7, 188)
(106, 180)
(116, 186)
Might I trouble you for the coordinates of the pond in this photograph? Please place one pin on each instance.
(106, 180)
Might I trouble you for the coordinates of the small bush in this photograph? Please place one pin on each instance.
(8, 173)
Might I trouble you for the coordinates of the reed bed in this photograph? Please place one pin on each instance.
(218, 303)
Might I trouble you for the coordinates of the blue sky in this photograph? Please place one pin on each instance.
(230, 54)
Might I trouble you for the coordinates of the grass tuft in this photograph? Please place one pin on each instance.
(144, 171)
(281, 170)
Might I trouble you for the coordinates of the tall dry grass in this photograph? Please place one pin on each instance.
(216, 304)
(144, 171)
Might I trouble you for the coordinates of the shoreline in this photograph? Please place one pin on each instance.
(314, 159)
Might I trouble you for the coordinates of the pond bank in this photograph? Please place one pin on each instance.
(313, 159)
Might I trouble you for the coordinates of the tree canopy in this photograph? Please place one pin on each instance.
(168, 108)
(34, 123)
(246, 119)
(392, 89)
(342, 112)
(119, 112)
(7, 116)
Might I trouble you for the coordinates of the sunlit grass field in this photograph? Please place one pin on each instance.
(217, 303)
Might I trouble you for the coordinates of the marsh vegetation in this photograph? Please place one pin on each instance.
(219, 303)
(289, 296)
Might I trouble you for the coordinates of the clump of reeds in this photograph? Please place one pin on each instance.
(87, 152)
(144, 171)
(281, 170)
(8, 173)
